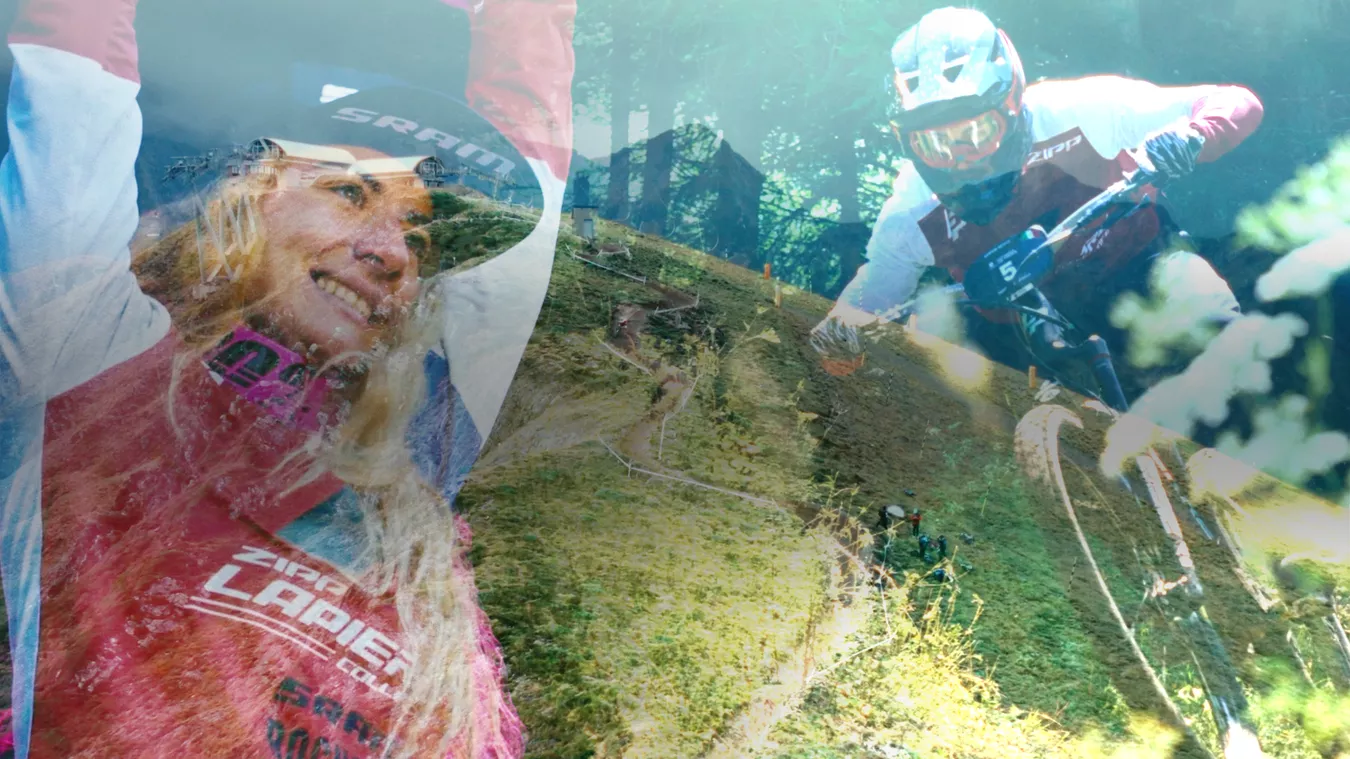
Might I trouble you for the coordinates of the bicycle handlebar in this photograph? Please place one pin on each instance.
(1086, 213)
(1094, 348)
(1090, 210)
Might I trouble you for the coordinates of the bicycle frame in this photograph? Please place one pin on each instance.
(1016, 285)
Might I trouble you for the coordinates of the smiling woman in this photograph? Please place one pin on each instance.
(304, 299)
(227, 461)
(332, 271)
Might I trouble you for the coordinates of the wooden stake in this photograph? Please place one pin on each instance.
(777, 296)
(768, 267)
(1338, 632)
(1298, 656)
(1031, 378)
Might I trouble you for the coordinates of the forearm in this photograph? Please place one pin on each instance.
(69, 305)
(1226, 117)
(1223, 114)
(875, 292)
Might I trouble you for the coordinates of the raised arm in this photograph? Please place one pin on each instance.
(520, 74)
(1118, 113)
(69, 304)
(1224, 115)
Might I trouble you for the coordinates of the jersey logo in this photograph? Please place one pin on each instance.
(270, 375)
(954, 225)
(1045, 154)
(1094, 243)
(286, 601)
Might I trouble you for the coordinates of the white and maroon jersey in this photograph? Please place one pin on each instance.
(1080, 130)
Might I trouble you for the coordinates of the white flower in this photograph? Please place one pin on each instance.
(1281, 445)
(1309, 270)
(1237, 361)
(1186, 298)
(939, 315)
(1048, 391)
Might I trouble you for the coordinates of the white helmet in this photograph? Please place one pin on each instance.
(959, 114)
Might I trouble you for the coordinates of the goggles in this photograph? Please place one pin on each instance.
(961, 144)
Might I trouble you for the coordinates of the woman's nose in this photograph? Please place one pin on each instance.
(384, 247)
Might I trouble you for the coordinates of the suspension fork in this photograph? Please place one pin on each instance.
(1105, 372)
(1048, 344)
(1045, 333)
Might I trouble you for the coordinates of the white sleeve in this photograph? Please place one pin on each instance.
(1115, 113)
(897, 254)
(69, 305)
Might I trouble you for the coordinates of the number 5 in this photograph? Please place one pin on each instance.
(1008, 270)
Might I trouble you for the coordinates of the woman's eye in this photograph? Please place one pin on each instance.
(353, 193)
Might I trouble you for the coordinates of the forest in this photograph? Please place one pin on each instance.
(758, 132)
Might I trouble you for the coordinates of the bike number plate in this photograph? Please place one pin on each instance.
(1009, 268)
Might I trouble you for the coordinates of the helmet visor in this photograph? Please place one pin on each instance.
(960, 144)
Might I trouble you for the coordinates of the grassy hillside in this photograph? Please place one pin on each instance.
(670, 516)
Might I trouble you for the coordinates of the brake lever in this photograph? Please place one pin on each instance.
(1110, 195)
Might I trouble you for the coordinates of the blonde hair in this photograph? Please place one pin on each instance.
(413, 546)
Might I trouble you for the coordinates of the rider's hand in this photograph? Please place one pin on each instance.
(838, 345)
(1173, 153)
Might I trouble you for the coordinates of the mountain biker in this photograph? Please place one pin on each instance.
(227, 459)
(989, 156)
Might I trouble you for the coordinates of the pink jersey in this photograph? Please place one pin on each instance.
(176, 619)
(167, 592)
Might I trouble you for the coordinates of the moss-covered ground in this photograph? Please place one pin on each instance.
(640, 614)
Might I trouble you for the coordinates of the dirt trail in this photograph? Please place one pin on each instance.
(985, 408)
(780, 697)
(829, 633)
(849, 592)
(848, 603)
(637, 441)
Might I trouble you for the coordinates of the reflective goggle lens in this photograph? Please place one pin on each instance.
(961, 144)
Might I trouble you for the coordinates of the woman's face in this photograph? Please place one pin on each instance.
(340, 268)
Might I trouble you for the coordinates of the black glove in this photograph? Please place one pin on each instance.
(1173, 153)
